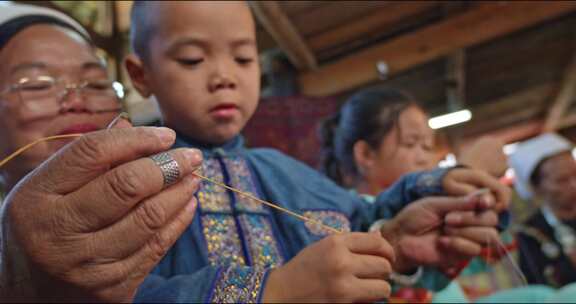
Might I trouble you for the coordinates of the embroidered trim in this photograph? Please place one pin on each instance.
(222, 240)
(330, 218)
(213, 198)
(263, 248)
(242, 180)
(239, 285)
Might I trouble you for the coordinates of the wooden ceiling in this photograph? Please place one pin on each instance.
(511, 62)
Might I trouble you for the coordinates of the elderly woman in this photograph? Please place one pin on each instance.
(63, 226)
(51, 83)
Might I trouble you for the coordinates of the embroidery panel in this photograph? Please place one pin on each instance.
(213, 198)
(330, 218)
(262, 245)
(222, 241)
(242, 179)
(238, 285)
(224, 245)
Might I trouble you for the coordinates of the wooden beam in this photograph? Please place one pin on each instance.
(377, 21)
(279, 26)
(521, 123)
(509, 134)
(464, 30)
(517, 107)
(565, 96)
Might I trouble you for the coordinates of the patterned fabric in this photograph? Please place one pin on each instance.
(238, 285)
(297, 119)
(235, 226)
(329, 218)
(213, 198)
(241, 179)
(262, 245)
(222, 240)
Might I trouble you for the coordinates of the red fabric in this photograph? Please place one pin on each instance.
(290, 124)
(411, 295)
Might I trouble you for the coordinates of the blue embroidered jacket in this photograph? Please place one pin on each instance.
(225, 254)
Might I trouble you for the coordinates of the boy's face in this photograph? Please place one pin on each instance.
(203, 68)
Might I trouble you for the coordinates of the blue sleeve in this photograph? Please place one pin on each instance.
(303, 187)
(408, 189)
(209, 284)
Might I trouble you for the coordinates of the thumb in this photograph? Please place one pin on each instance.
(121, 121)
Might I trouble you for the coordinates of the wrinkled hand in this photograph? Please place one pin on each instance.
(463, 182)
(486, 154)
(440, 231)
(350, 267)
(91, 222)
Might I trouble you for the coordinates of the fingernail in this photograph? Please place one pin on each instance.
(190, 179)
(191, 207)
(194, 156)
(453, 218)
(488, 200)
(117, 119)
(444, 240)
(166, 135)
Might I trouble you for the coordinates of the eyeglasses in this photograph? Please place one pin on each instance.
(45, 95)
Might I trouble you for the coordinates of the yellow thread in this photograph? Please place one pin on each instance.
(301, 217)
(30, 145)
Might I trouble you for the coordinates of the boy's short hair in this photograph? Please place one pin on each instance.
(141, 28)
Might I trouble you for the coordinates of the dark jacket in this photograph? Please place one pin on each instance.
(542, 259)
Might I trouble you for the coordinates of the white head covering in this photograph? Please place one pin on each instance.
(15, 17)
(530, 154)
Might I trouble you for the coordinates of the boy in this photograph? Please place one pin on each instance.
(199, 59)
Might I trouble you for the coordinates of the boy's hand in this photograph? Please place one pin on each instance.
(351, 267)
(463, 182)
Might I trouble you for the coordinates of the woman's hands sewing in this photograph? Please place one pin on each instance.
(92, 221)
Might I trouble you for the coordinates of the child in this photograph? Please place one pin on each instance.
(381, 134)
(200, 60)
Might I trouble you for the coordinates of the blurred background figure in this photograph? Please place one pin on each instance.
(378, 136)
(546, 171)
